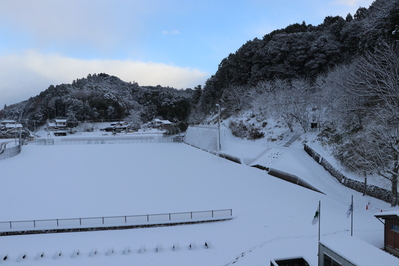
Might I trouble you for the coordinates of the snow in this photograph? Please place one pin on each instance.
(272, 218)
(353, 249)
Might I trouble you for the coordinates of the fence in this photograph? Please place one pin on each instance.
(111, 222)
(370, 190)
(107, 140)
(9, 152)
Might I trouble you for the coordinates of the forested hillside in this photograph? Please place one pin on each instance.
(301, 51)
(340, 78)
(102, 98)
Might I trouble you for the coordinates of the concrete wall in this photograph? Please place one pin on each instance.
(202, 137)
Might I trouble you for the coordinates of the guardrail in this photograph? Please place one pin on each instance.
(111, 222)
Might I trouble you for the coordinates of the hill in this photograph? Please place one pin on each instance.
(101, 97)
(303, 51)
(339, 78)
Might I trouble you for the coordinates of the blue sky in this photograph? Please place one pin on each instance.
(175, 43)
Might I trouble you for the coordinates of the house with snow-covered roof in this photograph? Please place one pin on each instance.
(10, 126)
(4, 122)
(391, 231)
(57, 124)
(161, 124)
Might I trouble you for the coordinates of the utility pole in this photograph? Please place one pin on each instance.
(219, 144)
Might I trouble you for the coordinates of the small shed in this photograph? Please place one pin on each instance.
(391, 231)
(352, 251)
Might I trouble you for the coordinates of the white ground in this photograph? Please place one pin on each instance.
(272, 217)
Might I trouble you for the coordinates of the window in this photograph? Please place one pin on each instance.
(328, 261)
(395, 228)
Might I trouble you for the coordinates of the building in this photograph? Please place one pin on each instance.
(289, 262)
(10, 127)
(117, 127)
(391, 231)
(161, 124)
(352, 251)
(57, 124)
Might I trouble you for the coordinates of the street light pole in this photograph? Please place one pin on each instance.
(219, 144)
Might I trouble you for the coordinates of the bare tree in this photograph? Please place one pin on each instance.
(236, 98)
(374, 79)
(293, 103)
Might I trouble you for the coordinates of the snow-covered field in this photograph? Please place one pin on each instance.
(272, 218)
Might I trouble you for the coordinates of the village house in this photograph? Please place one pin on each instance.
(10, 126)
(117, 127)
(161, 124)
(58, 126)
(391, 231)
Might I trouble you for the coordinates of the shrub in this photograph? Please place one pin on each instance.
(242, 129)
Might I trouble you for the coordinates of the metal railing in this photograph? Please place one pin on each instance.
(114, 221)
(9, 152)
(106, 140)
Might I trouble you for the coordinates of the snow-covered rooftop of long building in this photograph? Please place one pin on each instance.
(358, 251)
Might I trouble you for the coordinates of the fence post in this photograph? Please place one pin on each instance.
(57, 223)
(80, 221)
(148, 218)
(169, 216)
(103, 219)
(34, 224)
(212, 214)
(125, 220)
(10, 225)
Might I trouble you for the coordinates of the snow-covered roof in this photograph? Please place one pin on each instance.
(358, 251)
(60, 120)
(13, 125)
(165, 122)
(391, 214)
(8, 122)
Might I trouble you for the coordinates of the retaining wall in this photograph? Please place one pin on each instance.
(202, 137)
(371, 190)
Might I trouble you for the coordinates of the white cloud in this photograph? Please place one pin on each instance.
(25, 75)
(170, 32)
